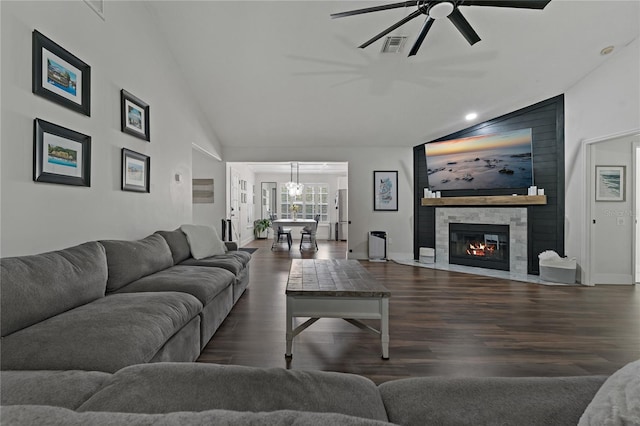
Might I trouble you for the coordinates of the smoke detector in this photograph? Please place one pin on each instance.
(393, 44)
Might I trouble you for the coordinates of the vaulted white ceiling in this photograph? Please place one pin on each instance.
(283, 73)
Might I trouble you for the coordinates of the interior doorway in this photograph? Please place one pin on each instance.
(611, 229)
(234, 204)
(267, 195)
(636, 181)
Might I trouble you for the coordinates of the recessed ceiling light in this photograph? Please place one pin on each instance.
(606, 50)
(471, 116)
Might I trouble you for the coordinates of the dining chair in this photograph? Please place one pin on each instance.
(280, 231)
(311, 233)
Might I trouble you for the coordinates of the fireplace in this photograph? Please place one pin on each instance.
(480, 245)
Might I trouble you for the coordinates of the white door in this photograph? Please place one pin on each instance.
(611, 244)
(636, 190)
(234, 204)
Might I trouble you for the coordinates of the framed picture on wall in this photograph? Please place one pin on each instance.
(610, 183)
(59, 76)
(60, 155)
(202, 191)
(134, 116)
(385, 190)
(136, 171)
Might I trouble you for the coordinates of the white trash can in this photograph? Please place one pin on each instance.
(377, 246)
(427, 255)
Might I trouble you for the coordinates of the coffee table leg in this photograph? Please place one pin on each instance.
(289, 329)
(384, 328)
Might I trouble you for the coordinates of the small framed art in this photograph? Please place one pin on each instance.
(136, 171)
(60, 76)
(135, 116)
(610, 183)
(202, 191)
(385, 190)
(60, 155)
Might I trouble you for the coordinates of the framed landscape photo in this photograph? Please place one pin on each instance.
(59, 76)
(385, 190)
(136, 171)
(60, 155)
(610, 183)
(135, 116)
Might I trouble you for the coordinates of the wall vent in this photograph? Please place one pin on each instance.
(393, 44)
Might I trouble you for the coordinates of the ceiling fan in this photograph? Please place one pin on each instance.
(438, 9)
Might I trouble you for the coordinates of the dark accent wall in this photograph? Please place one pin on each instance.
(545, 223)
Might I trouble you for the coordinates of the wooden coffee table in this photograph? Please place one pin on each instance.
(333, 288)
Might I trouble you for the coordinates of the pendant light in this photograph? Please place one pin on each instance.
(294, 188)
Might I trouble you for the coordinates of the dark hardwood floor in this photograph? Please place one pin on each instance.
(441, 323)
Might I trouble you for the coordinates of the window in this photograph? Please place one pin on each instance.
(313, 201)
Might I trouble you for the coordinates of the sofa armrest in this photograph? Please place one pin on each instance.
(489, 400)
(231, 245)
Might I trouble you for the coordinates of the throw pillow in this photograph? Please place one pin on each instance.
(617, 402)
(203, 241)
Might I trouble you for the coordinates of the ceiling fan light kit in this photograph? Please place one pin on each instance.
(440, 10)
(436, 10)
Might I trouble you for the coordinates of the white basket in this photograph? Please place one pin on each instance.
(559, 270)
(427, 255)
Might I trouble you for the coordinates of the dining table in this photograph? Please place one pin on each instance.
(288, 223)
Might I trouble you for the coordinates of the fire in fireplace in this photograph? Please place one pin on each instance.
(476, 248)
(481, 245)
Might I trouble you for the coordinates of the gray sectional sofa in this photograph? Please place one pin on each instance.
(105, 305)
(91, 335)
(196, 393)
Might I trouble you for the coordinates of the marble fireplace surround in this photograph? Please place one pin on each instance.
(515, 217)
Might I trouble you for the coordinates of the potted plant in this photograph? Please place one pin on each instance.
(260, 227)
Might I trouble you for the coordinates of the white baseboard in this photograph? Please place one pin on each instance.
(599, 279)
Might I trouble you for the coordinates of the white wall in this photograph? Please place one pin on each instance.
(606, 102)
(362, 162)
(206, 167)
(125, 51)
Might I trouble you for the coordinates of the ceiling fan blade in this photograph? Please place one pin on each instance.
(423, 33)
(464, 27)
(374, 9)
(391, 28)
(523, 4)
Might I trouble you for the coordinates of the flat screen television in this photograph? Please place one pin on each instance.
(493, 161)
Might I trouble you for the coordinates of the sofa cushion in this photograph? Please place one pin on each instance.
(203, 241)
(488, 400)
(67, 389)
(104, 335)
(167, 387)
(178, 244)
(41, 415)
(224, 261)
(38, 287)
(132, 260)
(201, 282)
(241, 256)
(617, 402)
